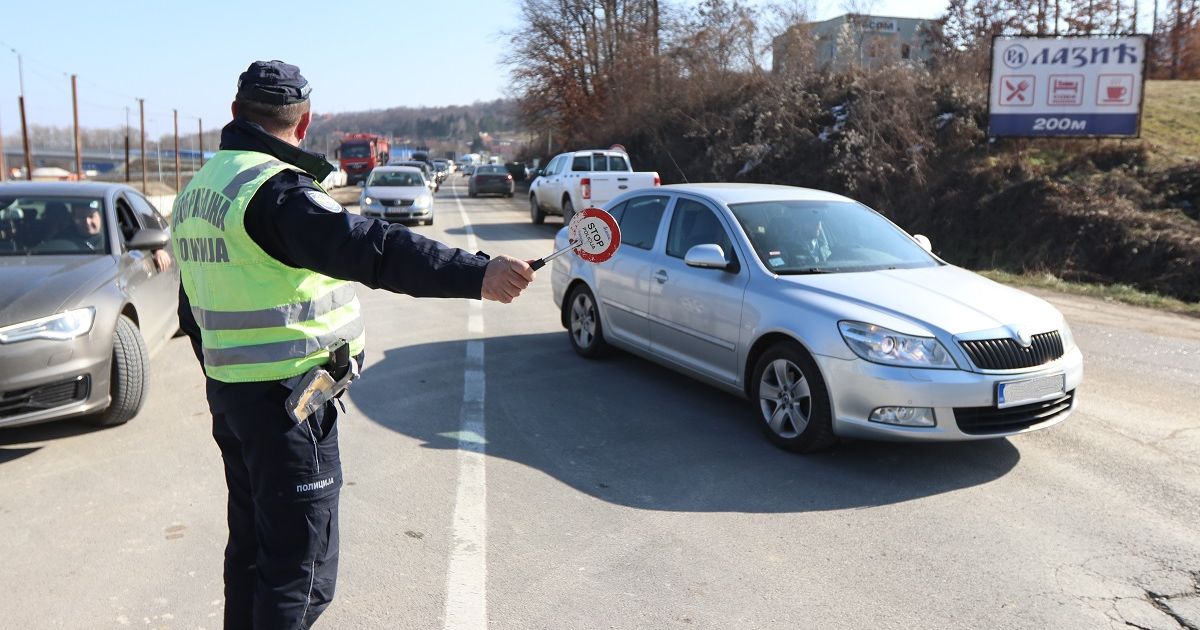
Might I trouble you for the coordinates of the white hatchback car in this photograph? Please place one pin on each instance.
(397, 193)
(828, 317)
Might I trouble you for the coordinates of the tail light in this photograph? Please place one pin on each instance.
(508, 178)
(585, 187)
(657, 180)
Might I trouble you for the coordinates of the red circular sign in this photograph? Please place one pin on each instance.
(597, 234)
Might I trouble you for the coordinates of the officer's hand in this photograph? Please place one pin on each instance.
(505, 278)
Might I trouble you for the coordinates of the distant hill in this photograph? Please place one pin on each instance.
(450, 128)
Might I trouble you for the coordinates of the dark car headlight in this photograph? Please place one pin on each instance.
(60, 327)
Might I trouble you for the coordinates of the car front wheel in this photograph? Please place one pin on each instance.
(583, 323)
(791, 400)
(129, 376)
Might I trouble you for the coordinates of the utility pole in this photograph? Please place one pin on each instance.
(24, 126)
(127, 144)
(200, 130)
(142, 115)
(3, 161)
(75, 111)
(176, 150)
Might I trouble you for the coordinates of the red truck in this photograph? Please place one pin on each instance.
(361, 152)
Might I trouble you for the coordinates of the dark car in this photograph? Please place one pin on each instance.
(519, 171)
(490, 178)
(83, 305)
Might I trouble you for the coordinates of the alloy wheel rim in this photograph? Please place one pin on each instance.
(785, 398)
(583, 321)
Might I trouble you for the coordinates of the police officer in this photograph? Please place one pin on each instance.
(267, 258)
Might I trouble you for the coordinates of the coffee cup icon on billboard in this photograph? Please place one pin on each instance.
(1115, 89)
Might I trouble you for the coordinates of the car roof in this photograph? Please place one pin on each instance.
(398, 169)
(732, 192)
(96, 189)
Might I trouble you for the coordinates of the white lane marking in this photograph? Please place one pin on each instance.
(466, 576)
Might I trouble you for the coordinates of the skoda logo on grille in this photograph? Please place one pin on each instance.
(1022, 336)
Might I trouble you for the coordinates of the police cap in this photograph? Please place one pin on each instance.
(273, 82)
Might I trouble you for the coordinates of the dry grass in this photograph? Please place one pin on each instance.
(1171, 120)
(1115, 292)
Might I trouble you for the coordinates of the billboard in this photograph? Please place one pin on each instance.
(1071, 86)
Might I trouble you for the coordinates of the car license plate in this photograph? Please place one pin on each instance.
(1030, 390)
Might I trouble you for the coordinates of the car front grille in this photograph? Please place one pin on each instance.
(1007, 354)
(397, 202)
(49, 396)
(990, 420)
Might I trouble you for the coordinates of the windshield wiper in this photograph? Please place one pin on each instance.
(806, 272)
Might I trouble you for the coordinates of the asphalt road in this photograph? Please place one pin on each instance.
(495, 479)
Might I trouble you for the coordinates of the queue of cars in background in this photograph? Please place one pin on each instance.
(830, 319)
(84, 303)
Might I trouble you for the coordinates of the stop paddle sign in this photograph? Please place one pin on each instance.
(593, 235)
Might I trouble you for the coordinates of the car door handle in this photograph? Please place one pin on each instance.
(661, 276)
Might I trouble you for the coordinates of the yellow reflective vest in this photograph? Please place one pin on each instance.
(260, 320)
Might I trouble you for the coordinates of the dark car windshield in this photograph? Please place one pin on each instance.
(46, 225)
(798, 237)
(356, 151)
(395, 178)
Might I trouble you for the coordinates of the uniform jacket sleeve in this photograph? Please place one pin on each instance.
(286, 221)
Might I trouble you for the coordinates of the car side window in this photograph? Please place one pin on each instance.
(581, 163)
(617, 163)
(552, 167)
(126, 220)
(618, 211)
(599, 162)
(693, 223)
(640, 219)
(147, 212)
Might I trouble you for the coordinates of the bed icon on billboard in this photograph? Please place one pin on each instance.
(1066, 89)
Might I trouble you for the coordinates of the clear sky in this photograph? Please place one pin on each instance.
(187, 55)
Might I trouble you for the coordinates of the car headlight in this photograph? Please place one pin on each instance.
(60, 327)
(424, 201)
(880, 345)
(1068, 338)
(367, 201)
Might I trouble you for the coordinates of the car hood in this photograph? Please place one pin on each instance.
(944, 299)
(36, 286)
(395, 192)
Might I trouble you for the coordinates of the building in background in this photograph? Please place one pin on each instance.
(851, 40)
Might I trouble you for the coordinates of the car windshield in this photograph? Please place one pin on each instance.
(356, 151)
(799, 237)
(491, 170)
(395, 178)
(48, 225)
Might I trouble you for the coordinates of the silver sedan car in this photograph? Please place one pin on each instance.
(86, 298)
(829, 318)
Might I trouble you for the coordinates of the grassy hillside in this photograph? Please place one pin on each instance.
(1171, 120)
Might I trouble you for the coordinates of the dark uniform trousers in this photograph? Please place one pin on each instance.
(284, 479)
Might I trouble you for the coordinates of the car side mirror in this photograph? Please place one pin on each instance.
(706, 256)
(149, 239)
(923, 241)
